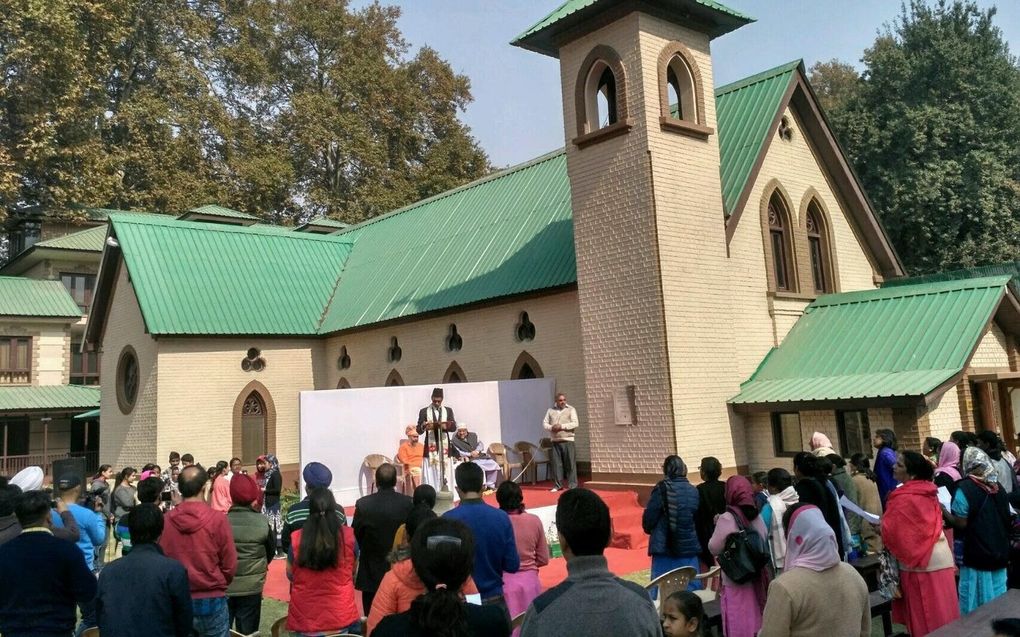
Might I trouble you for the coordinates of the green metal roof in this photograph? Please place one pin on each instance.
(325, 222)
(884, 343)
(713, 17)
(48, 397)
(214, 210)
(745, 111)
(30, 297)
(88, 415)
(508, 233)
(1009, 268)
(201, 278)
(90, 240)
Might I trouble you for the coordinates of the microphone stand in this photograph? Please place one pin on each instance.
(444, 497)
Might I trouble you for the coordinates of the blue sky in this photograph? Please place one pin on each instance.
(517, 111)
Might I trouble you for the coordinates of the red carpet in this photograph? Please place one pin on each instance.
(627, 552)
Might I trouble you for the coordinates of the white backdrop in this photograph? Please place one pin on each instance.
(339, 427)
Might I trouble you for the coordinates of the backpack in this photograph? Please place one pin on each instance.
(744, 555)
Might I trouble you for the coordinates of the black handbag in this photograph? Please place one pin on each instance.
(744, 555)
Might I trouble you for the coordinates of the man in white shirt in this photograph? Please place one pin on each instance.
(561, 420)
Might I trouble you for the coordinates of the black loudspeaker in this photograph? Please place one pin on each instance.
(66, 466)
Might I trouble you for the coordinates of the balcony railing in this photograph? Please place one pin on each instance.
(15, 377)
(10, 465)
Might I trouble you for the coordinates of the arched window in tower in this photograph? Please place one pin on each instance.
(600, 97)
(680, 89)
(526, 367)
(779, 242)
(818, 246)
(253, 428)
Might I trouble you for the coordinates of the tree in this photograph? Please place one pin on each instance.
(835, 83)
(281, 108)
(934, 133)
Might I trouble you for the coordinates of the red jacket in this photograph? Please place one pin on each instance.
(323, 600)
(201, 539)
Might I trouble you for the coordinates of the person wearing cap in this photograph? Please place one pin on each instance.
(41, 578)
(256, 545)
(144, 592)
(435, 442)
(410, 456)
(315, 475)
(91, 527)
(31, 479)
(468, 447)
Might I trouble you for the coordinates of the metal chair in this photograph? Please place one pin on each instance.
(372, 462)
(673, 581)
(531, 458)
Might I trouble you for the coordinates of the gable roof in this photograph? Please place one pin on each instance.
(323, 222)
(201, 278)
(909, 342)
(709, 16)
(213, 212)
(1009, 268)
(745, 111)
(90, 240)
(30, 297)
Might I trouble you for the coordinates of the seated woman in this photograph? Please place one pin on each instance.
(800, 601)
(410, 456)
(467, 447)
(442, 556)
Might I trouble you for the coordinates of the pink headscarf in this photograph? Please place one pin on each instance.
(820, 440)
(949, 460)
(739, 493)
(810, 542)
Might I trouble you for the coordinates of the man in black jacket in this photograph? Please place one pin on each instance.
(376, 519)
(144, 593)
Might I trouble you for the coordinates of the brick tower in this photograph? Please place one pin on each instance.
(653, 278)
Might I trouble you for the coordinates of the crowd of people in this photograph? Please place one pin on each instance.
(196, 544)
(942, 524)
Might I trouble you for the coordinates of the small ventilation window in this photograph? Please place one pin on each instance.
(394, 353)
(454, 341)
(785, 129)
(344, 360)
(525, 328)
(253, 361)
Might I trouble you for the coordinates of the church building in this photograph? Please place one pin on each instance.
(698, 268)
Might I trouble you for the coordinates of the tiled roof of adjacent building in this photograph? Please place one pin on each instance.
(905, 341)
(48, 397)
(30, 297)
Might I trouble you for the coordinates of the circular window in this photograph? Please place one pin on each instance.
(127, 380)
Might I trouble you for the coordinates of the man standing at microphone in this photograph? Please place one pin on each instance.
(434, 443)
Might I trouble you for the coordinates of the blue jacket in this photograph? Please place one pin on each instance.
(144, 584)
(495, 546)
(884, 463)
(91, 527)
(41, 580)
(681, 499)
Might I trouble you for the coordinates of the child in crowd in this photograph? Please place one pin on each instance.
(682, 614)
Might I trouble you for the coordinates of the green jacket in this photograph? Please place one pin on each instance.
(256, 546)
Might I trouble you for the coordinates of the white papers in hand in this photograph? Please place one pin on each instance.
(945, 499)
(853, 508)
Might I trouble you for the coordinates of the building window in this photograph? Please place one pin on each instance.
(14, 436)
(253, 361)
(26, 236)
(525, 329)
(15, 360)
(394, 353)
(454, 341)
(80, 287)
(454, 374)
(600, 97)
(253, 428)
(394, 379)
(344, 360)
(680, 91)
(786, 435)
(343, 383)
(526, 367)
(854, 432)
(779, 242)
(84, 366)
(785, 130)
(127, 380)
(818, 244)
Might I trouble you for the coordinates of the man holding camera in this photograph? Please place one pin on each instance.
(91, 528)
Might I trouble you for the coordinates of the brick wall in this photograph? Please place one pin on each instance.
(130, 439)
(992, 351)
(944, 416)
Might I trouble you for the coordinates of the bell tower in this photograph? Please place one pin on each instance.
(652, 273)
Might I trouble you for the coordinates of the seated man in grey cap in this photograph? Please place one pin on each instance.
(315, 475)
(468, 447)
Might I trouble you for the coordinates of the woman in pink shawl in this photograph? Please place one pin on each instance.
(800, 601)
(742, 604)
(821, 446)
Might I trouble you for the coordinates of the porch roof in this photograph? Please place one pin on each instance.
(912, 341)
(48, 398)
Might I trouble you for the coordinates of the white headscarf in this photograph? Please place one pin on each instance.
(29, 479)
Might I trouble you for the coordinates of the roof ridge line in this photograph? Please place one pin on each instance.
(332, 295)
(446, 193)
(904, 291)
(761, 76)
(173, 222)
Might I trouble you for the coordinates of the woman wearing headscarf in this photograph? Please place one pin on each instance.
(912, 532)
(800, 601)
(267, 476)
(821, 446)
(742, 604)
(947, 474)
(867, 494)
(885, 441)
(981, 515)
(669, 521)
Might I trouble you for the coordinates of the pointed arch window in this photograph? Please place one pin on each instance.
(394, 379)
(526, 367)
(818, 247)
(779, 242)
(454, 374)
(343, 383)
(600, 97)
(680, 89)
(681, 98)
(600, 102)
(253, 428)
